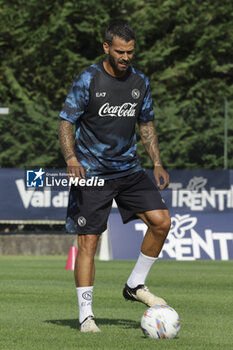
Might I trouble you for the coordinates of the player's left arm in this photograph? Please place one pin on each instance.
(150, 142)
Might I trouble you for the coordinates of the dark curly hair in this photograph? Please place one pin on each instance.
(119, 28)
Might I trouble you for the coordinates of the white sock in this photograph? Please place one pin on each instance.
(141, 270)
(85, 302)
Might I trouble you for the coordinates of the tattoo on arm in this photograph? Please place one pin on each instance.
(66, 139)
(69, 157)
(150, 141)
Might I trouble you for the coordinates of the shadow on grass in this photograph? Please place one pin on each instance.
(73, 323)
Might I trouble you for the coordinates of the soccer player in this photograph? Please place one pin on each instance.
(105, 102)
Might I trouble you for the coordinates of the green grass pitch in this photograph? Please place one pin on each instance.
(38, 305)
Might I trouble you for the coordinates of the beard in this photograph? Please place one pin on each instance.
(115, 65)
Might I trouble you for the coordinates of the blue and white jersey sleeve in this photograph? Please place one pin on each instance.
(147, 112)
(77, 99)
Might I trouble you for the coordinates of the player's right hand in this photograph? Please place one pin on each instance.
(75, 169)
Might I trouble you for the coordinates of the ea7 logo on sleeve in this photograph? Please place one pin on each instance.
(35, 178)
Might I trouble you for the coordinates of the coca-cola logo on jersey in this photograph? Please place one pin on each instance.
(126, 110)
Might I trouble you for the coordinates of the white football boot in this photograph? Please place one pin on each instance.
(142, 294)
(88, 325)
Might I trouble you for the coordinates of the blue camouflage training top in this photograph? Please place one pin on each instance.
(105, 110)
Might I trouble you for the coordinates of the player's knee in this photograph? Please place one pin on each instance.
(88, 244)
(166, 224)
(161, 225)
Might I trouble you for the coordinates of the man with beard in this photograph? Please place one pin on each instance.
(105, 103)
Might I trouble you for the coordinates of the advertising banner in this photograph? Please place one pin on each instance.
(191, 237)
(200, 204)
(24, 200)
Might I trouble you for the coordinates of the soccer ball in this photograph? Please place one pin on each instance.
(160, 322)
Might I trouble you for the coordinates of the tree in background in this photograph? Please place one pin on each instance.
(184, 47)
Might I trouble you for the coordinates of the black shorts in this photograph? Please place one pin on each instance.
(89, 208)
